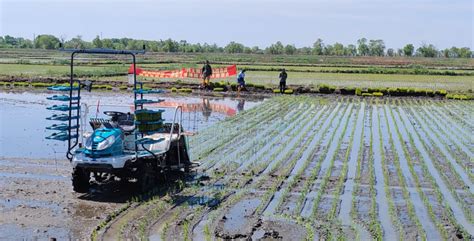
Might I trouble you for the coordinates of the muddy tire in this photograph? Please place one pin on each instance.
(80, 180)
(146, 179)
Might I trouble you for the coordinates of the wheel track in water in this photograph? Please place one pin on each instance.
(448, 196)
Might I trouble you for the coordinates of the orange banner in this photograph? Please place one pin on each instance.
(222, 72)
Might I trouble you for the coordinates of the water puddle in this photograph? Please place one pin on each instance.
(237, 219)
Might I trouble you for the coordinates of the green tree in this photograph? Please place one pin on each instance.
(427, 50)
(350, 50)
(46, 41)
(170, 46)
(290, 49)
(362, 47)
(97, 43)
(408, 50)
(234, 47)
(338, 49)
(328, 50)
(464, 52)
(256, 50)
(318, 47)
(376, 47)
(107, 43)
(305, 50)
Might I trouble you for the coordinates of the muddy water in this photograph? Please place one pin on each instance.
(36, 198)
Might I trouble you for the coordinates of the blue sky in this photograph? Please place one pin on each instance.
(444, 23)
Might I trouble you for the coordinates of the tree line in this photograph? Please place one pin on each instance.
(363, 47)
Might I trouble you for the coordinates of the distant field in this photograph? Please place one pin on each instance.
(433, 73)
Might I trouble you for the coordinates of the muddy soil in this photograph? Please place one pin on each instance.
(37, 201)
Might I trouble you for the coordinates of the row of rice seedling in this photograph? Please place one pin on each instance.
(348, 198)
(255, 170)
(448, 123)
(362, 194)
(440, 211)
(431, 232)
(386, 154)
(435, 172)
(401, 165)
(283, 190)
(263, 163)
(438, 144)
(228, 127)
(308, 156)
(326, 168)
(302, 164)
(451, 178)
(330, 129)
(289, 156)
(382, 197)
(234, 135)
(205, 192)
(460, 111)
(461, 166)
(258, 141)
(452, 142)
(340, 184)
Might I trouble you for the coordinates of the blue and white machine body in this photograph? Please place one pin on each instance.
(104, 142)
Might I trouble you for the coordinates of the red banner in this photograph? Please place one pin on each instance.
(222, 72)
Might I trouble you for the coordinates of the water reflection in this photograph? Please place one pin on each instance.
(22, 117)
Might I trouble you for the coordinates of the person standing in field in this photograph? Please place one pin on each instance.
(283, 76)
(206, 72)
(241, 81)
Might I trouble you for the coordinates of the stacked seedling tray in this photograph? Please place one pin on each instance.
(66, 110)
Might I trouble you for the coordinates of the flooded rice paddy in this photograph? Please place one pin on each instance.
(291, 168)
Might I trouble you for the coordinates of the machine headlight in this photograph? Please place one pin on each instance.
(108, 142)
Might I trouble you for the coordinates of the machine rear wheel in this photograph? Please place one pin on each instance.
(147, 178)
(80, 180)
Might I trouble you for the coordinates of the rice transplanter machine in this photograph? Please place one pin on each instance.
(135, 147)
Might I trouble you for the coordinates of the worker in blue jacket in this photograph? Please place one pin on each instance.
(241, 81)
